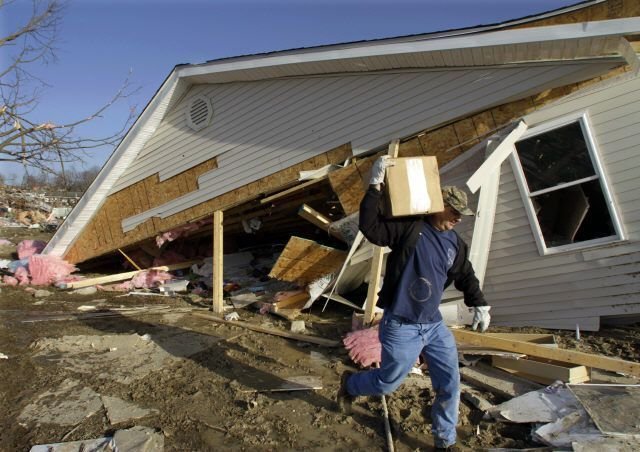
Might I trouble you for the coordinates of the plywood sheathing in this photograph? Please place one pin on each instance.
(303, 261)
(95, 240)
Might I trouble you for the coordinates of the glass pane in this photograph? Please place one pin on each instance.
(574, 214)
(555, 157)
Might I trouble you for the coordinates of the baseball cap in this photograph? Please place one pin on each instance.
(457, 199)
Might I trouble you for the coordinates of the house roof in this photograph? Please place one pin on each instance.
(590, 41)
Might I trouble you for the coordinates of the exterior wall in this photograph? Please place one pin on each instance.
(262, 127)
(104, 233)
(577, 287)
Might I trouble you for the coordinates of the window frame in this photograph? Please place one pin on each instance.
(582, 119)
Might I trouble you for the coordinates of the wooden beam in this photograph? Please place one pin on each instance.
(319, 220)
(303, 261)
(291, 190)
(298, 337)
(539, 351)
(493, 161)
(377, 259)
(124, 276)
(545, 373)
(218, 280)
(497, 381)
(130, 260)
(374, 284)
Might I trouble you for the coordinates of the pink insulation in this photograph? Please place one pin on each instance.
(5, 242)
(46, 269)
(22, 275)
(151, 278)
(28, 248)
(9, 280)
(364, 346)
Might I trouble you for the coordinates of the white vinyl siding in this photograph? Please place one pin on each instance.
(262, 127)
(579, 286)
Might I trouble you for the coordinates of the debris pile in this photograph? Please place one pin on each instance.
(22, 208)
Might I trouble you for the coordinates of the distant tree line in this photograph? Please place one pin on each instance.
(73, 180)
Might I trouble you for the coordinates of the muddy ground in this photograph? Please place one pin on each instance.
(202, 386)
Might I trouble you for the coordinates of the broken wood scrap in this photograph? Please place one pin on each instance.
(124, 276)
(497, 381)
(319, 220)
(301, 383)
(539, 351)
(292, 299)
(303, 261)
(541, 372)
(298, 337)
(475, 398)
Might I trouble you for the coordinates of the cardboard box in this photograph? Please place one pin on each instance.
(413, 187)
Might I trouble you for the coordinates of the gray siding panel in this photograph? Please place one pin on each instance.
(528, 289)
(261, 127)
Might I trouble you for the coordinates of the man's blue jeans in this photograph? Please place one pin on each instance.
(402, 343)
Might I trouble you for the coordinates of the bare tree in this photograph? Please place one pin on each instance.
(42, 146)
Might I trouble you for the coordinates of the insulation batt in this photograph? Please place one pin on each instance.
(28, 248)
(364, 346)
(22, 275)
(9, 280)
(46, 269)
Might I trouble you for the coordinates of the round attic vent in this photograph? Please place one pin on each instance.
(199, 113)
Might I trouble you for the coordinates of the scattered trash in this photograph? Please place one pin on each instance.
(232, 316)
(42, 293)
(85, 291)
(297, 326)
(3, 356)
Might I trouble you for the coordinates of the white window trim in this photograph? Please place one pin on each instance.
(583, 119)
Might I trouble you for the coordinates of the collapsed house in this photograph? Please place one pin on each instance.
(538, 115)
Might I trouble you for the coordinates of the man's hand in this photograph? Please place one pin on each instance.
(379, 168)
(481, 317)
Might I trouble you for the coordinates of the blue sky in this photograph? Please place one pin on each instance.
(101, 41)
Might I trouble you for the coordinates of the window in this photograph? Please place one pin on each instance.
(567, 197)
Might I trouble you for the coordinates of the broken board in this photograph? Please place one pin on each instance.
(303, 261)
(540, 371)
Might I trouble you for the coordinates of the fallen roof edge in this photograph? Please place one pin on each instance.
(177, 83)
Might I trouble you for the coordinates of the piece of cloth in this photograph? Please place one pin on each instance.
(401, 235)
(402, 343)
(422, 283)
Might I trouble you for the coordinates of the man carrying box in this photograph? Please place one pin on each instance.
(426, 256)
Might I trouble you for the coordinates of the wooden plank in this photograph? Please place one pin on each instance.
(497, 381)
(304, 261)
(374, 284)
(124, 276)
(297, 337)
(218, 280)
(567, 356)
(541, 372)
(377, 259)
(292, 190)
(493, 161)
